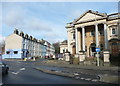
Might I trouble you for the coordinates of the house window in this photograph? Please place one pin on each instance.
(15, 52)
(113, 31)
(92, 33)
(8, 52)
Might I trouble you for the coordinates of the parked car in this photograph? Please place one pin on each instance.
(3, 68)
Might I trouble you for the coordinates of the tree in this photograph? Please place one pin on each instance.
(57, 47)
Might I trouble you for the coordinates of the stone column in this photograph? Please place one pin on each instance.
(67, 56)
(83, 38)
(81, 56)
(96, 35)
(105, 37)
(106, 53)
(76, 39)
(69, 36)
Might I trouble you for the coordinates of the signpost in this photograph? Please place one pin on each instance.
(97, 55)
(97, 49)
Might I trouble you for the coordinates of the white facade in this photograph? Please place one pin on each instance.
(63, 47)
(93, 28)
(18, 45)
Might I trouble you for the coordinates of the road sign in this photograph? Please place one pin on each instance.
(97, 49)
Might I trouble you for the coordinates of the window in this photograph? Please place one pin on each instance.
(101, 32)
(73, 35)
(85, 33)
(15, 52)
(85, 48)
(114, 43)
(23, 46)
(92, 33)
(63, 51)
(113, 31)
(101, 47)
(8, 52)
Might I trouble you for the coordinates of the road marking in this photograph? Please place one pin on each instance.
(77, 77)
(22, 69)
(88, 79)
(82, 78)
(15, 73)
(94, 80)
(18, 71)
(76, 74)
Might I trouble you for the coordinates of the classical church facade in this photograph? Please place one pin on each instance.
(94, 30)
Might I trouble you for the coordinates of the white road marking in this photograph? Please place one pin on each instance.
(18, 71)
(82, 78)
(76, 74)
(94, 80)
(15, 73)
(77, 77)
(22, 69)
(88, 79)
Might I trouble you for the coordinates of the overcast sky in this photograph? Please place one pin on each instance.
(47, 20)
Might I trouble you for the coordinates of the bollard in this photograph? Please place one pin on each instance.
(25, 59)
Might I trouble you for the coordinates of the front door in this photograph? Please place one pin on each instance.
(73, 50)
(114, 49)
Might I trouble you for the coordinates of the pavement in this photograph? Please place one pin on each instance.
(101, 73)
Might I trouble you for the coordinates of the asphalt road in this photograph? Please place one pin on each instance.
(24, 73)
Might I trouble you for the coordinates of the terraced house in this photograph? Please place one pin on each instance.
(20, 45)
(94, 30)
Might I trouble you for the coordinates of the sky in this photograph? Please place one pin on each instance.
(46, 20)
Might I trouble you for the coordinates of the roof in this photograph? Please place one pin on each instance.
(84, 16)
(93, 12)
(64, 42)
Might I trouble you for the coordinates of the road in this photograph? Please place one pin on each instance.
(24, 73)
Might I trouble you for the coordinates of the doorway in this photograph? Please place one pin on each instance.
(92, 49)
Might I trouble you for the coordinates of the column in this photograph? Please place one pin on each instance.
(69, 48)
(83, 38)
(96, 35)
(105, 36)
(76, 39)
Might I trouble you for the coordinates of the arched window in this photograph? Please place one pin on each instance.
(113, 31)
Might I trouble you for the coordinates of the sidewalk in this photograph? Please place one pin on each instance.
(56, 63)
(93, 73)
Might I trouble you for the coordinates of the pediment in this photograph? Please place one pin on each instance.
(89, 15)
